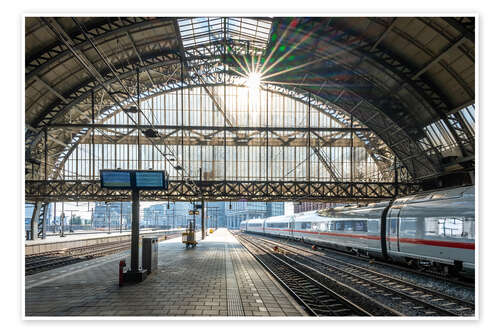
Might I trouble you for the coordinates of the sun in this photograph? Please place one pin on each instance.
(253, 80)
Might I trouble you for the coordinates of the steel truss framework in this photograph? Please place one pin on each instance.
(202, 66)
(374, 107)
(59, 190)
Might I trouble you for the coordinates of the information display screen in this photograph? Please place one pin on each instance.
(133, 179)
(116, 179)
(149, 179)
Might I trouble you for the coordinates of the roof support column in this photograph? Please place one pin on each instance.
(139, 153)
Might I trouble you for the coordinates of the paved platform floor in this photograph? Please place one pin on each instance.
(217, 278)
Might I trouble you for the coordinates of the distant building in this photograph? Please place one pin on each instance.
(111, 213)
(242, 210)
(299, 207)
(216, 214)
(167, 215)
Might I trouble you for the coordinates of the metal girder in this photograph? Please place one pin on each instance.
(379, 122)
(60, 190)
(465, 25)
(230, 141)
(212, 128)
(77, 94)
(100, 30)
(42, 220)
(354, 43)
(139, 57)
(329, 166)
(38, 220)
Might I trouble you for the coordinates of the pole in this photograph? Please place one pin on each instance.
(134, 257)
(55, 217)
(121, 215)
(109, 218)
(202, 213)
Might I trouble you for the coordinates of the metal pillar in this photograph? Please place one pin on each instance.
(108, 213)
(135, 274)
(62, 222)
(34, 221)
(202, 219)
(134, 256)
(42, 220)
(202, 212)
(121, 215)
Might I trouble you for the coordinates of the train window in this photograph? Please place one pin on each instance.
(452, 227)
(348, 225)
(408, 226)
(394, 226)
(319, 226)
(469, 231)
(339, 225)
(306, 225)
(331, 226)
(373, 226)
(360, 226)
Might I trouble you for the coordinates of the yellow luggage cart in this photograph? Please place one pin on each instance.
(188, 237)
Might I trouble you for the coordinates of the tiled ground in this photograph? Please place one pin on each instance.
(217, 278)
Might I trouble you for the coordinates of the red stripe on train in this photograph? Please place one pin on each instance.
(457, 245)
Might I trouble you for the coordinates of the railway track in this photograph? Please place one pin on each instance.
(54, 259)
(317, 298)
(404, 297)
(461, 281)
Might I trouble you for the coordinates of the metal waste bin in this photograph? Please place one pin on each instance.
(150, 254)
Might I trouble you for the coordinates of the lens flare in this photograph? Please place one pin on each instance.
(253, 81)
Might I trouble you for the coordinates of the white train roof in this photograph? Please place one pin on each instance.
(457, 192)
(281, 218)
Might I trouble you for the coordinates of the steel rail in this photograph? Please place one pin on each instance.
(300, 279)
(391, 284)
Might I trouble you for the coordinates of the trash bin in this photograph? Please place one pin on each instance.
(150, 254)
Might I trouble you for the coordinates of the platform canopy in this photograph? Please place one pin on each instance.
(356, 99)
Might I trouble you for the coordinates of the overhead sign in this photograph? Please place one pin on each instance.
(133, 179)
(149, 180)
(116, 179)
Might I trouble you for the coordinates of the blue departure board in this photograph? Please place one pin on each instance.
(133, 179)
(149, 179)
(116, 179)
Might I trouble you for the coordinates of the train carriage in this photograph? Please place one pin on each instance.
(434, 228)
(277, 225)
(255, 225)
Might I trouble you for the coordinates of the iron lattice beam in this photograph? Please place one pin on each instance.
(102, 29)
(88, 190)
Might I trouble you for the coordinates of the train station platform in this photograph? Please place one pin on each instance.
(72, 240)
(216, 278)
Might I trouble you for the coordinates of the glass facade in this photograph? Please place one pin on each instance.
(262, 136)
(243, 210)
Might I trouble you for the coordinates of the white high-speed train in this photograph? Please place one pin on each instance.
(434, 229)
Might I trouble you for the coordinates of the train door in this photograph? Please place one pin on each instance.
(393, 229)
(291, 224)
